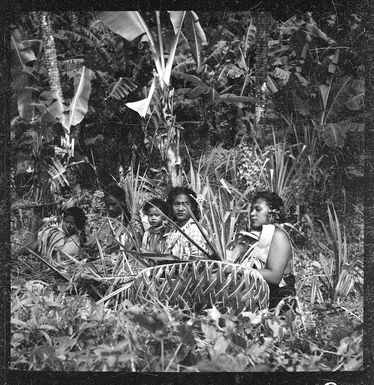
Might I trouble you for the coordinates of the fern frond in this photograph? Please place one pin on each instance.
(77, 37)
(72, 64)
(122, 88)
(85, 36)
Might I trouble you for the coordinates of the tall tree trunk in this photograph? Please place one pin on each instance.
(53, 72)
(263, 20)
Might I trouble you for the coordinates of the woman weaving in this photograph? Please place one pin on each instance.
(56, 241)
(271, 253)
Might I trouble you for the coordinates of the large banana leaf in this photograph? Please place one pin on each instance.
(334, 134)
(23, 48)
(141, 106)
(79, 104)
(192, 31)
(167, 73)
(130, 25)
(74, 114)
(24, 93)
(24, 100)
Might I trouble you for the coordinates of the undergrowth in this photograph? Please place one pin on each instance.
(56, 331)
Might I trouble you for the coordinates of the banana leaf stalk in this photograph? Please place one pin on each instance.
(139, 256)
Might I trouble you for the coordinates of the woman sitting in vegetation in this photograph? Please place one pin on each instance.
(154, 238)
(115, 202)
(182, 200)
(54, 242)
(272, 252)
(118, 216)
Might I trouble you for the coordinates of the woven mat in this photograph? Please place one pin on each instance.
(202, 282)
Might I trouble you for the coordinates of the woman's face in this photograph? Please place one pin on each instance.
(179, 209)
(154, 217)
(259, 214)
(113, 207)
(69, 226)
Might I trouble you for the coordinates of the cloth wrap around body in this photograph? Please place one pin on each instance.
(53, 241)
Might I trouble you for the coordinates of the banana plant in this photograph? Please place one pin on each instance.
(213, 84)
(37, 104)
(54, 103)
(72, 115)
(22, 73)
(130, 25)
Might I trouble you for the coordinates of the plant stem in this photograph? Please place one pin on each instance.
(351, 313)
(162, 355)
(174, 356)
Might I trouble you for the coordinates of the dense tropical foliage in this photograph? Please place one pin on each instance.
(227, 103)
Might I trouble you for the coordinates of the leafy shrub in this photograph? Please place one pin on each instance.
(58, 332)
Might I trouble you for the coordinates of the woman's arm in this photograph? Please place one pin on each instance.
(279, 254)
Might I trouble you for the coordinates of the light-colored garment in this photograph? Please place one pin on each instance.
(257, 254)
(154, 239)
(178, 245)
(54, 243)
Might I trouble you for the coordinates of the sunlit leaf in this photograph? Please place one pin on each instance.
(167, 72)
(220, 345)
(128, 24)
(141, 106)
(325, 91)
(82, 91)
(271, 84)
(192, 31)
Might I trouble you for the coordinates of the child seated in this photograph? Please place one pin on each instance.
(154, 238)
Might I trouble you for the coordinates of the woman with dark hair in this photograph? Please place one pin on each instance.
(54, 242)
(271, 253)
(181, 201)
(118, 217)
(115, 202)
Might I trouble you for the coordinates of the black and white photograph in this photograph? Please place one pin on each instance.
(187, 192)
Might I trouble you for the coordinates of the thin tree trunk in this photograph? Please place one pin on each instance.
(263, 21)
(53, 72)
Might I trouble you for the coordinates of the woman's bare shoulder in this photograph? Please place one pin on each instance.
(280, 235)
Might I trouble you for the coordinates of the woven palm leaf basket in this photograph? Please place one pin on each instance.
(206, 282)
